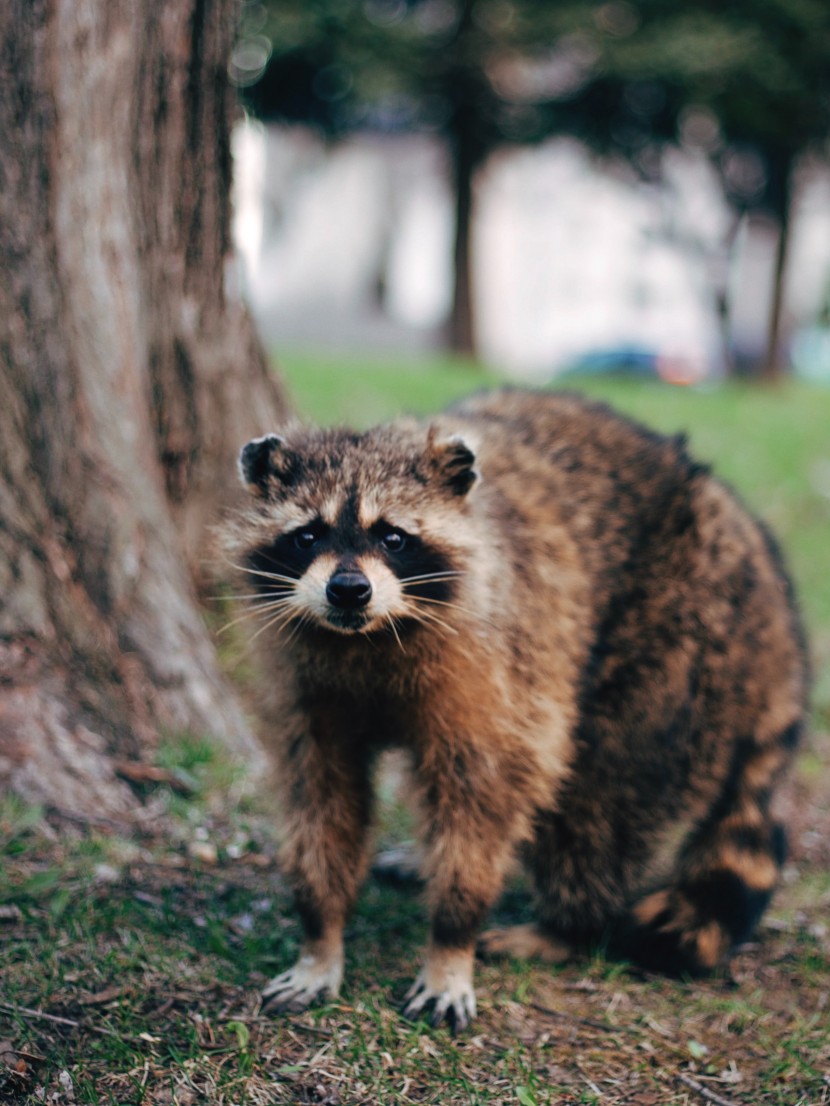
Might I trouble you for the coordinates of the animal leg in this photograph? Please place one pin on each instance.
(326, 813)
(524, 942)
(472, 831)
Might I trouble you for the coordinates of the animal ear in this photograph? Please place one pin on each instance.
(453, 462)
(264, 461)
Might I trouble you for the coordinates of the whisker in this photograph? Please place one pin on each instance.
(429, 617)
(253, 613)
(303, 620)
(267, 605)
(280, 619)
(435, 576)
(390, 618)
(272, 576)
(255, 595)
(265, 575)
(453, 606)
(274, 561)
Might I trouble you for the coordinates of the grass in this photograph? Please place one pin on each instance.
(129, 966)
(336, 388)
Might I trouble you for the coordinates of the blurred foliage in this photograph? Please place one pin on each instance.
(747, 82)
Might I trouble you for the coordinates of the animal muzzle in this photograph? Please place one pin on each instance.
(349, 591)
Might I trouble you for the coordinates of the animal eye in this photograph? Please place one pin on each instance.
(393, 541)
(305, 539)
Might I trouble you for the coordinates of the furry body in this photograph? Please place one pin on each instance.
(588, 647)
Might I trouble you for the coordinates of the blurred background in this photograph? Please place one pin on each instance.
(548, 188)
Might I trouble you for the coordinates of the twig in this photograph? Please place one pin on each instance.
(314, 1030)
(565, 1016)
(704, 1092)
(107, 995)
(26, 1012)
(138, 772)
(117, 825)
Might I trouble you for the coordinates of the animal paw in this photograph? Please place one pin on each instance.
(444, 991)
(524, 942)
(313, 977)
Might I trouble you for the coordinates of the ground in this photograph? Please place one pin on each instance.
(131, 959)
(131, 968)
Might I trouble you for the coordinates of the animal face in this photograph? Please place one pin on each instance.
(352, 536)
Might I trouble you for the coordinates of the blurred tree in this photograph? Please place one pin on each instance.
(391, 65)
(130, 375)
(748, 82)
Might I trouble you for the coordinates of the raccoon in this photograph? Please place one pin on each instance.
(587, 647)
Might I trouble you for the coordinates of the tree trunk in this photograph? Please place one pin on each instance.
(462, 322)
(130, 376)
(472, 106)
(779, 192)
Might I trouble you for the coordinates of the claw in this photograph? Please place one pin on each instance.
(444, 987)
(441, 1006)
(312, 978)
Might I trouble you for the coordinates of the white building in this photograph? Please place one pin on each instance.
(351, 244)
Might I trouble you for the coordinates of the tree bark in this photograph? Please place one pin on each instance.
(130, 376)
(462, 319)
(472, 106)
(779, 192)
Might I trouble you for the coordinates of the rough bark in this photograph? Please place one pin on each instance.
(779, 191)
(462, 319)
(468, 92)
(130, 375)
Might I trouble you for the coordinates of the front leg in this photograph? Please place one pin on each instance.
(326, 808)
(474, 815)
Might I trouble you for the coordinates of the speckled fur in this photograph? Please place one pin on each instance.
(614, 689)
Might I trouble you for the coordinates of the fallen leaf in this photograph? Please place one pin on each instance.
(98, 999)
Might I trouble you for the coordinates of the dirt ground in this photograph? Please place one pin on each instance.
(130, 972)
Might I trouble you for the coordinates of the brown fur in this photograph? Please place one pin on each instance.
(610, 683)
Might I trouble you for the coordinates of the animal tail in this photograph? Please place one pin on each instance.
(725, 874)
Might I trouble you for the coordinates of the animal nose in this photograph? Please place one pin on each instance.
(348, 590)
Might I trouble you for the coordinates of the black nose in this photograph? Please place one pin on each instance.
(348, 590)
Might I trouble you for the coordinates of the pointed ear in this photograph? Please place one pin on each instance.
(264, 461)
(452, 461)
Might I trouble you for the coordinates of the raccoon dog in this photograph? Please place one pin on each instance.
(585, 644)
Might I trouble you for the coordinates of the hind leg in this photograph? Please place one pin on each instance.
(578, 880)
(524, 942)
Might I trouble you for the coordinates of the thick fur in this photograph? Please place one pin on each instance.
(604, 673)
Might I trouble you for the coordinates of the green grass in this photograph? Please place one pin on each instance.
(147, 954)
(354, 391)
(152, 960)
